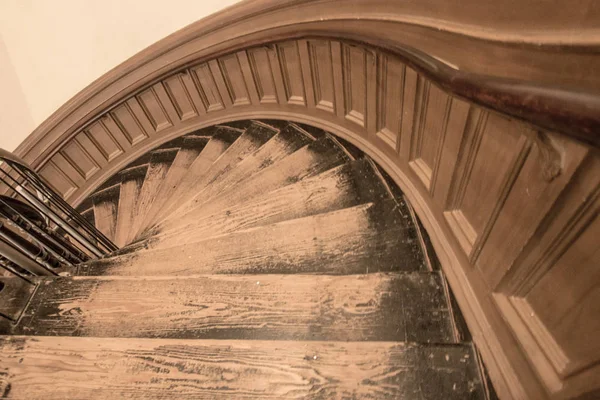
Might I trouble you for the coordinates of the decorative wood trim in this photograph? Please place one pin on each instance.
(258, 60)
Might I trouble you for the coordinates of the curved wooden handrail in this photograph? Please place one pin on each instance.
(512, 58)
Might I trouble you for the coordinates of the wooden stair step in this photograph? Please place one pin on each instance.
(108, 368)
(345, 186)
(222, 138)
(310, 160)
(132, 180)
(254, 137)
(191, 146)
(373, 307)
(159, 165)
(361, 239)
(106, 204)
(287, 141)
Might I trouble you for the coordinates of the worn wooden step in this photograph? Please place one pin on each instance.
(159, 165)
(222, 137)
(106, 368)
(345, 186)
(132, 180)
(287, 141)
(191, 146)
(361, 239)
(255, 136)
(310, 160)
(106, 205)
(396, 307)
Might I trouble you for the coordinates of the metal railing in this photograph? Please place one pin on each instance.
(40, 233)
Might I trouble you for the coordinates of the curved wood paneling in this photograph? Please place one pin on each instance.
(510, 206)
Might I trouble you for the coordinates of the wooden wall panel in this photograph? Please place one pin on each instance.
(518, 219)
(390, 99)
(568, 296)
(321, 66)
(262, 72)
(493, 159)
(57, 179)
(291, 73)
(79, 158)
(207, 88)
(354, 66)
(431, 120)
(103, 140)
(154, 110)
(235, 82)
(180, 97)
(512, 209)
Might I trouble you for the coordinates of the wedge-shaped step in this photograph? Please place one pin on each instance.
(284, 307)
(345, 186)
(286, 142)
(191, 146)
(158, 168)
(361, 239)
(222, 138)
(132, 180)
(106, 204)
(105, 368)
(309, 161)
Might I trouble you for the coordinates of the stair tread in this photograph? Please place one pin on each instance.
(379, 307)
(255, 136)
(190, 149)
(108, 368)
(308, 161)
(222, 138)
(159, 165)
(284, 143)
(105, 205)
(131, 186)
(361, 239)
(345, 186)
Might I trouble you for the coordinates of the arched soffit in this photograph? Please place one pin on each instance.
(516, 58)
(486, 116)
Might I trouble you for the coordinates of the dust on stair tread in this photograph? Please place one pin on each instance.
(106, 210)
(255, 136)
(284, 143)
(222, 138)
(345, 186)
(361, 239)
(191, 147)
(109, 368)
(308, 161)
(381, 307)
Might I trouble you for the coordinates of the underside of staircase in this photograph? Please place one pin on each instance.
(258, 259)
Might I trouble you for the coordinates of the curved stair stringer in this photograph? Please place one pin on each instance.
(495, 194)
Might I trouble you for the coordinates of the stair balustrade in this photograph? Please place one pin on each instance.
(40, 233)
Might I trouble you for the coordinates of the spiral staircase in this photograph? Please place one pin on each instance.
(258, 259)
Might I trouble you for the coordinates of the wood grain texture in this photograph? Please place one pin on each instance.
(106, 205)
(277, 147)
(159, 368)
(308, 161)
(251, 140)
(217, 145)
(361, 239)
(132, 180)
(189, 151)
(374, 307)
(500, 55)
(341, 187)
(158, 167)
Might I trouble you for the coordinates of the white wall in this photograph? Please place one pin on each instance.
(53, 49)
